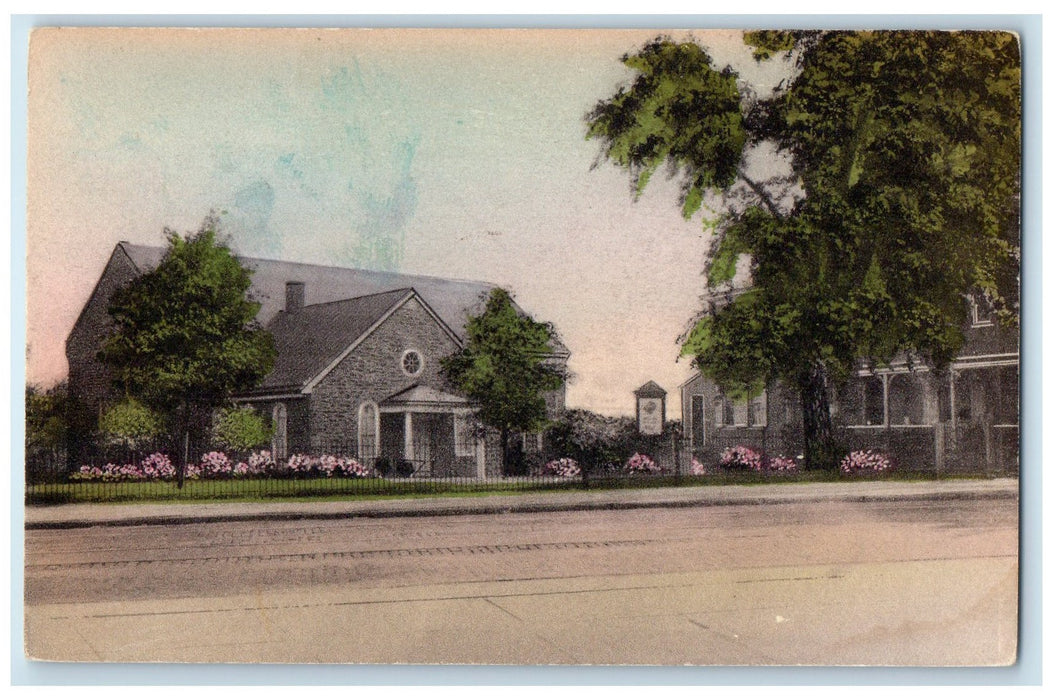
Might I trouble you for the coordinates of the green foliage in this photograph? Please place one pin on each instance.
(131, 424)
(769, 43)
(505, 366)
(47, 421)
(680, 111)
(907, 148)
(185, 333)
(241, 428)
(592, 440)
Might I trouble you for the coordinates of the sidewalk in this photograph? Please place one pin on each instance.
(89, 514)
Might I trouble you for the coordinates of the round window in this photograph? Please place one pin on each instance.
(412, 362)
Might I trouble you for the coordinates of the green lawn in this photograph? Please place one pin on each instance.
(257, 490)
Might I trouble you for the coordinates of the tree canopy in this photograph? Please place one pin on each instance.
(506, 367)
(185, 334)
(903, 197)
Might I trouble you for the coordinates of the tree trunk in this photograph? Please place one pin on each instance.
(820, 449)
(184, 433)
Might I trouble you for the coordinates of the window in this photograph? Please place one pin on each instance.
(531, 443)
(463, 435)
(739, 412)
(873, 401)
(906, 399)
(758, 409)
(412, 363)
(729, 412)
(982, 311)
(368, 431)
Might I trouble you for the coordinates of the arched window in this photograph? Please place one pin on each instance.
(280, 419)
(368, 431)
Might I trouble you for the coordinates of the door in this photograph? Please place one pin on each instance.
(698, 422)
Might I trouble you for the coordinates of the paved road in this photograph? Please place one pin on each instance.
(917, 583)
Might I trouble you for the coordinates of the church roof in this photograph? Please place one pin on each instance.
(311, 339)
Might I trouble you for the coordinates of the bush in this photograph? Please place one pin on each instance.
(741, 457)
(563, 467)
(642, 464)
(781, 465)
(697, 468)
(865, 462)
(131, 424)
(241, 429)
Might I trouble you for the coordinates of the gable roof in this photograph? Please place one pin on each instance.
(452, 300)
(650, 390)
(313, 338)
(418, 396)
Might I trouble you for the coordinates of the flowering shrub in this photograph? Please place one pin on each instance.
(216, 465)
(564, 466)
(865, 462)
(642, 464)
(741, 457)
(697, 468)
(328, 466)
(261, 462)
(782, 465)
(156, 467)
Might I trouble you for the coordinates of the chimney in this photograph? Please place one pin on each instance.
(293, 296)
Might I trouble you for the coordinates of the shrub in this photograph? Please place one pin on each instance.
(697, 468)
(642, 464)
(865, 462)
(156, 467)
(216, 465)
(782, 465)
(261, 462)
(131, 424)
(241, 429)
(564, 467)
(741, 457)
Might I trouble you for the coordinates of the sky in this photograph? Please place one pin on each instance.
(454, 153)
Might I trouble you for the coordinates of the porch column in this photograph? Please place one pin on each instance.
(407, 446)
(480, 457)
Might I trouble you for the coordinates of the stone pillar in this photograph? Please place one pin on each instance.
(407, 445)
(480, 457)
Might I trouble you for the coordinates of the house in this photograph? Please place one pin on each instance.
(358, 362)
(965, 419)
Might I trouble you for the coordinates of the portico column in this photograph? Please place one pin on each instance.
(480, 457)
(407, 448)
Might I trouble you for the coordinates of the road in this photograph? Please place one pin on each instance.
(911, 583)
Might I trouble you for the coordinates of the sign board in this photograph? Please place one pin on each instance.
(650, 415)
(650, 409)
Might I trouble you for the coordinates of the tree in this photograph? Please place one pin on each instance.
(186, 335)
(900, 197)
(505, 368)
(47, 427)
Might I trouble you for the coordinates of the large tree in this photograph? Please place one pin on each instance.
(899, 196)
(185, 333)
(505, 368)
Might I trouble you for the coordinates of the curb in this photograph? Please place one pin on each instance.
(404, 510)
